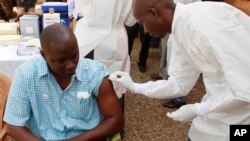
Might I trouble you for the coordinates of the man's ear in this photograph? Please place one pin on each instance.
(153, 12)
(42, 53)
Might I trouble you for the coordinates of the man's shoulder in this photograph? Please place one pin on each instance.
(207, 6)
(90, 64)
(32, 61)
(30, 66)
(91, 68)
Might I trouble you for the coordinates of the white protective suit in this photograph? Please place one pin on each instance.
(102, 29)
(167, 46)
(212, 39)
(186, 1)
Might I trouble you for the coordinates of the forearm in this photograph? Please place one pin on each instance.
(160, 89)
(218, 104)
(226, 103)
(21, 133)
(178, 84)
(105, 129)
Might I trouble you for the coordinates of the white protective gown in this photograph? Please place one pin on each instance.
(212, 39)
(186, 1)
(102, 29)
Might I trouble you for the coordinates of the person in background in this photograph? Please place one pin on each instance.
(145, 44)
(102, 35)
(56, 0)
(3, 14)
(25, 6)
(6, 9)
(57, 96)
(155, 42)
(212, 39)
(73, 12)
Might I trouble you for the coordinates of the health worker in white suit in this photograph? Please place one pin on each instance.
(101, 29)
(209, 38)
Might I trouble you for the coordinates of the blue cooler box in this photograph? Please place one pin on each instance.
(59, 7)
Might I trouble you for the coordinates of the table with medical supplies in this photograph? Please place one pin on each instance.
(12, 56)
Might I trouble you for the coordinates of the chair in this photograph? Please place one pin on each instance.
(115, 137)
(5, 82)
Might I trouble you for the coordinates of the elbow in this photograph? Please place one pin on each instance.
(122, 122)
(9, 129)
(119, 122)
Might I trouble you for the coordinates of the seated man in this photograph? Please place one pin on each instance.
(59, 96)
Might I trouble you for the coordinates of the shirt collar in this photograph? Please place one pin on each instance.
(42, 67)
(80, 70)
(179, 9)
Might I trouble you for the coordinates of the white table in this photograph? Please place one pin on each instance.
(9, 60)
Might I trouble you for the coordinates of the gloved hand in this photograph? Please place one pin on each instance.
(185, 113)
(123, 78)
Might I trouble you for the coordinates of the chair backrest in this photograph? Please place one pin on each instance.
(5, 82)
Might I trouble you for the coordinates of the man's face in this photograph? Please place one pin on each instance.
(152, 26)
(63, 60)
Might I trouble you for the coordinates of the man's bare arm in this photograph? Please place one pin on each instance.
(111, 109)
(21, 133)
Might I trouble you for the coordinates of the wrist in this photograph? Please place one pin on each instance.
(202, 108)
(140, 88)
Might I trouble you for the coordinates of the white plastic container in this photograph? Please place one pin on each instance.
(29, 25)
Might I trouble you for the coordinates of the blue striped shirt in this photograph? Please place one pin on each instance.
(37, 101)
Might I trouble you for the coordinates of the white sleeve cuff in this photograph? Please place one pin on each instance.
(140, 88)
(202, 108)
